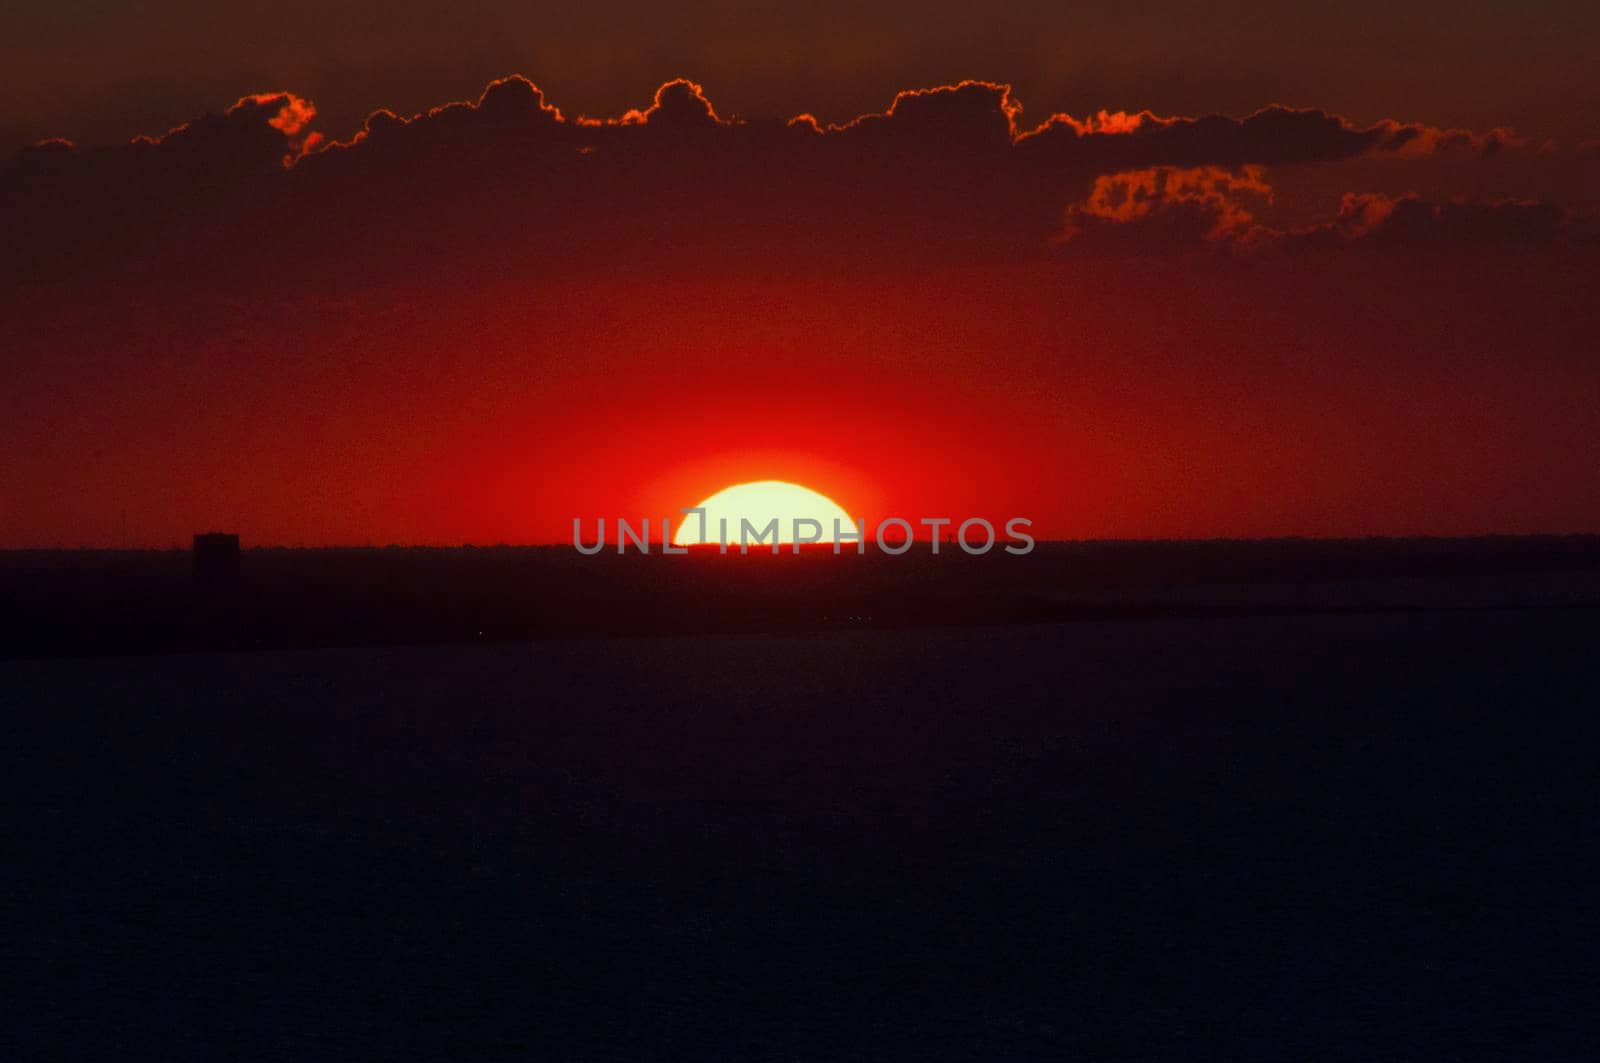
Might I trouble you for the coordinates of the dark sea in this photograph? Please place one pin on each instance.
(1355, 837)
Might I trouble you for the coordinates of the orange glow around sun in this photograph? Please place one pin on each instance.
(759, 503)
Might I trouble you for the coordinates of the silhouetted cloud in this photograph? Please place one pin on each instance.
(1272, 136)
(509, 180)
(1415, 221)
(1215, 204)
(1207, 202)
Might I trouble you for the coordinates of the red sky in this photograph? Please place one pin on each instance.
(477, 322)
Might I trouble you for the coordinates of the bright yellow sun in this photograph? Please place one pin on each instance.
(760, 502)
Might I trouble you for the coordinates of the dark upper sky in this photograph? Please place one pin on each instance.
(99, 72)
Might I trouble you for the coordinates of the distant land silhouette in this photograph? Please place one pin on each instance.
(217, 597)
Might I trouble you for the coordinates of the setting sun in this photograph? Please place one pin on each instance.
(760, 502)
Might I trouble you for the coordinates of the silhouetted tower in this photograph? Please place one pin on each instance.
(216, 562)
